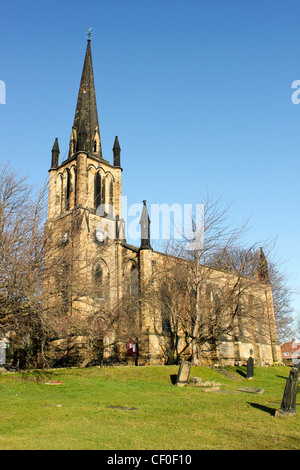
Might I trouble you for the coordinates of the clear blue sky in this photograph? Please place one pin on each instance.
(198, 91)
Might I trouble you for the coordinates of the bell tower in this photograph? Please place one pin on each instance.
(84, 208)
(85, 179)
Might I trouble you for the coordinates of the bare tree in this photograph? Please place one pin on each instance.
(213, 291)
(282, 299)
(22, 215)
(262, 263)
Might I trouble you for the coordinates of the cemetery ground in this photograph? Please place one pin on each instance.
(140, 408)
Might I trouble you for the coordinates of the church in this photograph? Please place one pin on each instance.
(120, 299)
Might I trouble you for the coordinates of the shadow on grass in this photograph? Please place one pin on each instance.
(241, 372)
(37, 376)
(264, 408)
(173, 379)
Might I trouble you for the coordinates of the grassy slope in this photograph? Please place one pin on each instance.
(78, 413)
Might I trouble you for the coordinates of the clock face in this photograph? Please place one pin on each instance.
(99, 236)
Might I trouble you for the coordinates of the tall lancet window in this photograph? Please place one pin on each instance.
(101, 281)
(75, 186)
(111, 198)
(131, 279)
(68, 191)
(97, 194)
(98, 274)
(134, 281)
(103, 198)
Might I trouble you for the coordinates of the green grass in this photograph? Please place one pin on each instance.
(135, 408)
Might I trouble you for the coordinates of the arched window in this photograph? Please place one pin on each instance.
(111, 199)
(60, 194)
(217, 305)
(214, 316)
(68, 191)
(99, 274)
(101, 281)
(103, 196)
(97, 193)
(99, 287)
(75, 184)
(134, 284)
(131, 279)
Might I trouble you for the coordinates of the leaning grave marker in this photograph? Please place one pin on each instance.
(183, 374)
(288, 404)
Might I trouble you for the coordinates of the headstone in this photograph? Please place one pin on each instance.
(183, 374)
(296, 363)
(2, 352)
(250, 368)
(288, 404)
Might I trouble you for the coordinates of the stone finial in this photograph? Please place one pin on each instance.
(145, 228)
(117, 152)
(55, 154)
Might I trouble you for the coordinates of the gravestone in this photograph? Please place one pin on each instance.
(250, 368)
(288, 404)
(296, 363)
(183, 374)
(2, 352)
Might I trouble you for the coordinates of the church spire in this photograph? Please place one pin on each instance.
(86, 116)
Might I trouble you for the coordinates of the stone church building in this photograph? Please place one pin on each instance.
(92, 272)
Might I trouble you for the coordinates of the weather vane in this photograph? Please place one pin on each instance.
(89, 33)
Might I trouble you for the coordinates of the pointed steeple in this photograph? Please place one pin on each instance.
(117, 152)
(145, 228)
(82, 137)
(86, 116)
(55, 154)
(263, 272)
